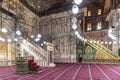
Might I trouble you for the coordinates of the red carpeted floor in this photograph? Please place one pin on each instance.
(67, 71)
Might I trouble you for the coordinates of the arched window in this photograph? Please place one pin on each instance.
(99, 11)
(89, 13)
(99, 25)
(89, 27)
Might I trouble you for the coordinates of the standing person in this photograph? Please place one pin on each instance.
(81, 58)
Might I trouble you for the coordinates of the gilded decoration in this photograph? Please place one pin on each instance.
(13, 54)
(88, 52)
(3, 48)
(11, 5)
(7, 51)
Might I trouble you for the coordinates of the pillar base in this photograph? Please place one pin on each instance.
(52, 65)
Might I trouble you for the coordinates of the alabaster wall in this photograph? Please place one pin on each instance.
(56, 28)
(26, 21)
(114, 23)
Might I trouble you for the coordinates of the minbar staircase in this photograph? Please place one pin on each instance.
(40, 55)
(32, 49)
(34, 67)
(108, 56)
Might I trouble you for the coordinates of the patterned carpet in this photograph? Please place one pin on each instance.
(66, 71)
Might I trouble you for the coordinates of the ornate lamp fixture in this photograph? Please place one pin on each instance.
(37, 37)
(18, 32)
(75, 9)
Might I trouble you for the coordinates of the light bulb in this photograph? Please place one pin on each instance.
(16, 39)
(41, 44)
(74, 20)
(102, 42)
(75, 9)
(4, 30)
(74, 26)
(83, 38)
(9, 40)
(78, 2)
(106, 42)
(39, 35)
(2, 39)
(76, 32)
(32, 36)
(110, 42)
(78, 36)
(44, 42)
(18, 32)
(98, 27)
(37, 39)
(94, 41)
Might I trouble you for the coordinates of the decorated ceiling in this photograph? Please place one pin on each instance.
(46, 7)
